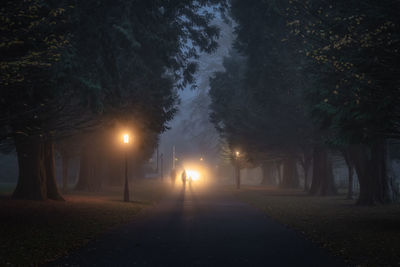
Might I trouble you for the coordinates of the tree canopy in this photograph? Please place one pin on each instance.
(312, 75)
(72, 66)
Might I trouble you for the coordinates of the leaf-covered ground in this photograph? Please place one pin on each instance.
(35, 232)
(366, 236)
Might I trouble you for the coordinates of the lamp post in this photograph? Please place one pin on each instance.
(203, 169)
(173, 157)
(237, 169)
(126, 187)
(162, 166)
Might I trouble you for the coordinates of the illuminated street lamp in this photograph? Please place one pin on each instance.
(126, 187)
(204, 176)
(237, 169)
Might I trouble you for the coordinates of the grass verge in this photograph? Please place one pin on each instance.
(364, 236)
(36, 232)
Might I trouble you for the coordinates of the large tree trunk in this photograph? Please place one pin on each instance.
(370, 165)
(89, 179)
(322, 180)
(84, 171)
(306, 183)
(96, 177)
(36, 179)
(237, 175)
(290, 177)
(306, 166)
(351, 181)
(278, 171)
(379, 160)
(306, 163)
(268, 173)
(65, 162)
(346, 155)
(32, 175)
(306, 186)
(50, 167)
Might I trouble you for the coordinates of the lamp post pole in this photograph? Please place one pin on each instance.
(126, 186)
(162, 166)
(126, 189)
(237, 170)
(173, 157)
(158, 156)
(237, 176)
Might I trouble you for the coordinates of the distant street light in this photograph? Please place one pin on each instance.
(162, 166)
(204, 176)
(126, 187)
(237, 169)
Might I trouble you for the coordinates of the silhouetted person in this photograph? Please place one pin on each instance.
(173, 176)
(184, 176)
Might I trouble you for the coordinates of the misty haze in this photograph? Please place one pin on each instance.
(200, 133)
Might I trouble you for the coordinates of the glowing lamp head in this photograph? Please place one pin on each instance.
(237, 153)
(201, 159)
(126, 138)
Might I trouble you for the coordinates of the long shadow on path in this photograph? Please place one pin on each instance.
(200, 228)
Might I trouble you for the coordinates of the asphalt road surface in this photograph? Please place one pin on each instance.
(200, 228)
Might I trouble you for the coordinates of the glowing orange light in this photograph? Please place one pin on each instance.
(126, 138)
(237, 153)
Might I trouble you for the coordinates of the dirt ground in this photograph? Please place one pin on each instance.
(35, 232)
(365, 236)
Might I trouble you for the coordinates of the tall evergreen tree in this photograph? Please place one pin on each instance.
(74, 65)
(353, 51)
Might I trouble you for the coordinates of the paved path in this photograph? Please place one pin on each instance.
(199, 228)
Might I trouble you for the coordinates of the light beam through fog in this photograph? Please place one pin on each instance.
(200, 133)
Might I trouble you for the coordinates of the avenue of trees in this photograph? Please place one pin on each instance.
(307, 80)
(74, 72)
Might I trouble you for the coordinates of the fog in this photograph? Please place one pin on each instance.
(200, 133)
